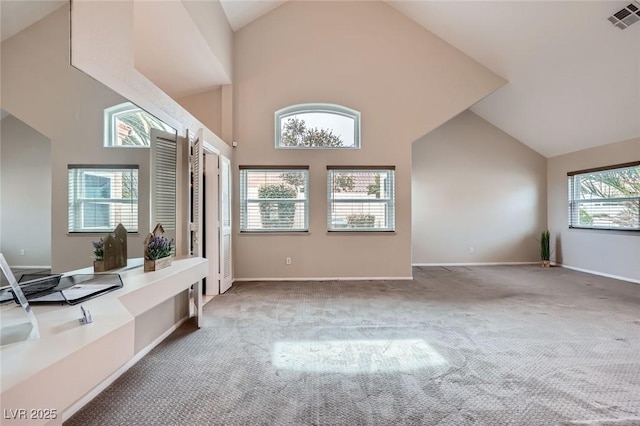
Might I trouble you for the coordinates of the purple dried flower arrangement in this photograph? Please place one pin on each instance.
(158, 248)
(98, 249)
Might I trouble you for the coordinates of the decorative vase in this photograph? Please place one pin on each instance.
(98, 266)
(157, 264)
(546, 264)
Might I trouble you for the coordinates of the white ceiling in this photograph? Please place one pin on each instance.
(574, 79)
(17, 15)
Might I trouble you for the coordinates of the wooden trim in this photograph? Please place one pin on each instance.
(103, 166)
(601, 169)
(361, 167)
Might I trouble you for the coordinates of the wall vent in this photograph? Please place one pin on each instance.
(626, 16)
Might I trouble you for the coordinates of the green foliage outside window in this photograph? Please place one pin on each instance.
(277, 214)
(361, 221)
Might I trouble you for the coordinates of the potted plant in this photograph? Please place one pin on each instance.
(98, 255)
(545, 251)
(157, 250)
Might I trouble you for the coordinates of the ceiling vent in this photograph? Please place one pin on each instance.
(626, 16)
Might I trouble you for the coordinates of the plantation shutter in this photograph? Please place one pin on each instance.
(164, 154)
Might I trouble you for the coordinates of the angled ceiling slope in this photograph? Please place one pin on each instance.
(574, 78)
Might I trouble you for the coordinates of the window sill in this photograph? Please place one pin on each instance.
(604, 229)
(80, 233)
(263, 233)
(329, 232)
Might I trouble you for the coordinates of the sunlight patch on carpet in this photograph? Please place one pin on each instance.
(355, 356)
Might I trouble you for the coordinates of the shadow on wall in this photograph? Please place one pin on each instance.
(558, 249)
(25, 190)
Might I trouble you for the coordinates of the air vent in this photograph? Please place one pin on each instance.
(626, 16)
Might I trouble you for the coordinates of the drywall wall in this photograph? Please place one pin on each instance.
(25, 185)
(206, 107)
(479, 195)
(211, 21)
(41, 89)
(364, 55)
(614, 253)
(103, 46)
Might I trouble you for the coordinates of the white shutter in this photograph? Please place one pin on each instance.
(164, 154)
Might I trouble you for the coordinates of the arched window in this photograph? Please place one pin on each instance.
(126, 125)
(317, 126)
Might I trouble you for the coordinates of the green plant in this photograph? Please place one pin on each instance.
(361, 221)
(158, 248)
(374, 188)
(277, 214)
(585, 218)
(545, 251)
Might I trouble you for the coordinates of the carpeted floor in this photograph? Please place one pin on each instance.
(508, 345)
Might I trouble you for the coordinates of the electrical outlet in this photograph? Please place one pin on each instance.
(22, 252)
(287, 261)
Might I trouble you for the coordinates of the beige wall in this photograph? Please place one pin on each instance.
(43, 90)
(103, 47)
(604, 252)
(25, 179)
(211, 21)
(364, 55)
(206, 107)
(474, 187)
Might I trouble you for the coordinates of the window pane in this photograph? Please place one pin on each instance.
(317, 126)
(101, 198)
(128, 125)
(95, 215)
(274, 200)
(361, 200)
(608, 199)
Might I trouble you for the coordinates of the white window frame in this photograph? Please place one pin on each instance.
(575, 201)
(340, 110)
(111, 116)
(245, 200)
(78, 200)
(388, 199)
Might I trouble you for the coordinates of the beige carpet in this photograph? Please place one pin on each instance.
(455, 346)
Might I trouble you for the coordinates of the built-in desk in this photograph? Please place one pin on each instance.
(70, 360)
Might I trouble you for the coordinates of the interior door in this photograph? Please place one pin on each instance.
(211, 222)
(225, 225)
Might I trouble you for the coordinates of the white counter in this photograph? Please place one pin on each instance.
(70, 359)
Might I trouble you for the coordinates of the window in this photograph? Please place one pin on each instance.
(274, 199)
(361, 199)
(605, 198)
(322, 126)
(101, 197)
(129, 126)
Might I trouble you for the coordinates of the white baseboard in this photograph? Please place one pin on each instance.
(602, 274)
(66, 415)
(325, 279)
(476, 264)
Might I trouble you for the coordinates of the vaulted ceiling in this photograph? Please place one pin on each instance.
(574, 79)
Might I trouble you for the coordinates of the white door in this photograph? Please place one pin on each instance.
(211, 221)
(225, 225)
